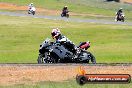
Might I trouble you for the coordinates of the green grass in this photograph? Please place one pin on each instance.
(69, 84)
(20, 38)
(95, 7)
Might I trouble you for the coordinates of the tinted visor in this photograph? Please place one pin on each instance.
(53, 34)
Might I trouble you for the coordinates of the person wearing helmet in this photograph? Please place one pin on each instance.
(65, 10)
(30, 6)
(119, 12)
(56, 34)
(31, 9)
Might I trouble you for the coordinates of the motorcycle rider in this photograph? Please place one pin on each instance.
(65, 10)
(56, 34)
(119, 13)
(30, 6)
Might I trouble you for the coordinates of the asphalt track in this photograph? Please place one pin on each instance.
(100, 21)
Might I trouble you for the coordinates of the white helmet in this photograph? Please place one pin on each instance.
(120, 9)
(31, 4)
(65, 6)
(88, 41)
(55, 32)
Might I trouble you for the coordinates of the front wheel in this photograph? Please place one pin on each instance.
(40, 59)
(46, 58)
(61, 15)
(29, 12)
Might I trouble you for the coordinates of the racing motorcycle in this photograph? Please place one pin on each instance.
(65, 14)
(51, 52)
(120, 17)
(32, 11)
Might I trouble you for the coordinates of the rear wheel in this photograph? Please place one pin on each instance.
(83, 57)
(93, 60)
(33, 12)
(123, 19)
(86, 56)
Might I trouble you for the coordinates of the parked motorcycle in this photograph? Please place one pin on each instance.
(32, 11)
(51, 52)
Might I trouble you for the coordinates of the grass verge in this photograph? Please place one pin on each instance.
(20, 38)
(69, 84)
(91, 8)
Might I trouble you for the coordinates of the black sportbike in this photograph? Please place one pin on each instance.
(51, 52)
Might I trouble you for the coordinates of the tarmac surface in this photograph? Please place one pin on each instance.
(79, 20)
